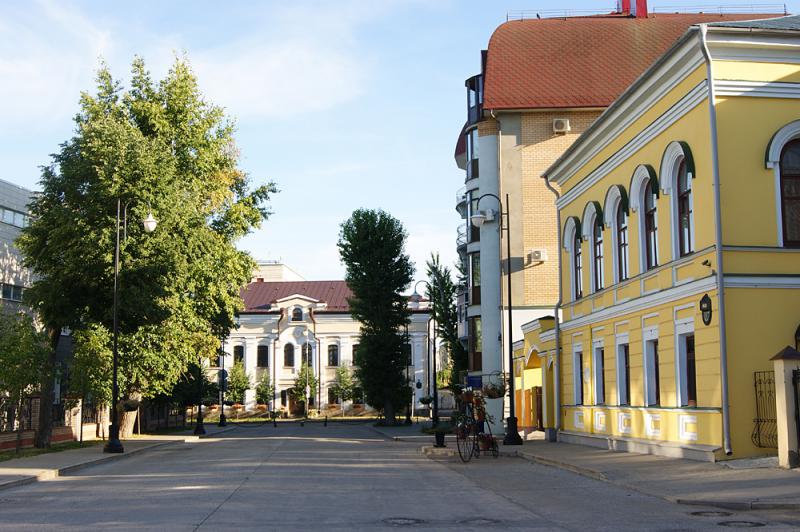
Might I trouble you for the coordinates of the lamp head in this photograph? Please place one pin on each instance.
(150, 223)
(482, 217)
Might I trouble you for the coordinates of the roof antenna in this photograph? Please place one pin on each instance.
(538, 16)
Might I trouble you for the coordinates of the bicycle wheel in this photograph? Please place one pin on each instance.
(463, 441)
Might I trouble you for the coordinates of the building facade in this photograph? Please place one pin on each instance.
(287, 323)
(14, 277)
(679, 222)
(542, 83)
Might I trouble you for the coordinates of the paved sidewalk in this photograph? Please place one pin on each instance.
(19, 471)
(676, 480)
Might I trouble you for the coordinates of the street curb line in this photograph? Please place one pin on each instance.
(583, 471)
(741, 505)
(49, 474)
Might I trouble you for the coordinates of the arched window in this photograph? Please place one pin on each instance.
(685, 240)
(577, 266)
(622, 242)
(597, 245)
(297, 314)
(307, 350)
(288, 355)
(650, 227)
(333, 355)
(790, 193)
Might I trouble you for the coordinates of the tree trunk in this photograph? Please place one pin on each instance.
(127, 420)
(388, 413)
(42, 438)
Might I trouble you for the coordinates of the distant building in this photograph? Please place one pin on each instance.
(14, 278)
(287, 322)
(274, 270)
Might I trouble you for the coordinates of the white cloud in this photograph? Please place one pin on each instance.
(279, 79)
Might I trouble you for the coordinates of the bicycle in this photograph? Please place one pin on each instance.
(474, 430)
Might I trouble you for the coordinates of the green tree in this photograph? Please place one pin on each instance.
(372, 248)
(265, 391)
(158, 147)
(442, 293)
(305, 377)
(188, 389)
(238, 383)
(343, 385)
(23, 354)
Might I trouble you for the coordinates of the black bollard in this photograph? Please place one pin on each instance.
(326, 421)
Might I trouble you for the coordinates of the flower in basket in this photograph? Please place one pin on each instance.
(494, 391)
(485, 441)
(261, 408)
(238, 406)
(426, 400)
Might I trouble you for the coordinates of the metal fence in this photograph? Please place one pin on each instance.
(765, 426)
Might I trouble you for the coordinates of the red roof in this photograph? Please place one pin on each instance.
(579, 61)
(259, 296)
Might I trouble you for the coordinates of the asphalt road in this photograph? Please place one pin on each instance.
(340, 477)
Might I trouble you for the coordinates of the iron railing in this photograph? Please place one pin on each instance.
(765, 426)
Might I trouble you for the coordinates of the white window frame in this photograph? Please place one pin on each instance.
(598, 349)
(590, 218)
(640, 183)
(620, 341)
(670, 162)
(568, 242)
(612, 203)
(577, 374)
(649, 335)
(782, 137)
(683, 328)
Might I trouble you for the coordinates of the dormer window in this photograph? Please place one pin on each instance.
(297, 314)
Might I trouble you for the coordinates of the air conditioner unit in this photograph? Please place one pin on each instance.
(537, 255)
(561, 125)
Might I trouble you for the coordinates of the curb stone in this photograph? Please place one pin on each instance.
(49, 474)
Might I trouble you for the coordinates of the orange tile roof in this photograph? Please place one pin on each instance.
(579, 61)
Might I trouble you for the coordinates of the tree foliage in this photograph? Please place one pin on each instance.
(305, 377)
(157, 147)
(238, 383)
(442, 293)
(265, 390)
(372, 247)
(23, 354)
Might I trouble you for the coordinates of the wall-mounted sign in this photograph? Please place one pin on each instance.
(705, 308)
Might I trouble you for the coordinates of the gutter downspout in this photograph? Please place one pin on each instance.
(275, 361)
(500, 245)
(319, 359)
(557, 309)
(723, 339)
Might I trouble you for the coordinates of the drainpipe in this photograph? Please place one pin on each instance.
(723, 340)
(557, 364)
(319, 359)
(275, 361)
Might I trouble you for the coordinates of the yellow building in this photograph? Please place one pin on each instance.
(682, 186)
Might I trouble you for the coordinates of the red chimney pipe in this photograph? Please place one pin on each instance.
(639, 8)
(624, 6)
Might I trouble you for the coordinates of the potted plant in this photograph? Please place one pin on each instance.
(485, 441)
(494, 391)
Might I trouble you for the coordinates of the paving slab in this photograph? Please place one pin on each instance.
(20, 471)
(676, 480)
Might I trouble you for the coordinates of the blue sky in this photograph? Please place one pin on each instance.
(344, 104)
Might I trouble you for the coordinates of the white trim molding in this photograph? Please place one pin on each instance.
(781, 138)
(757, 89)
(689, 101)
(761, 281)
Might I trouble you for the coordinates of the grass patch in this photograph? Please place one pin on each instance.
(55, 448)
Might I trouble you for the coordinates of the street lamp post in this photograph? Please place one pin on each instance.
(512, 434)
(199, 428)
(114, 444)
(407, 355)
(435, 393)
(223, 384)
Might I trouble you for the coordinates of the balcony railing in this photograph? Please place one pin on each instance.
(461, 238)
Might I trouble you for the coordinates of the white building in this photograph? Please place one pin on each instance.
(287, 322)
